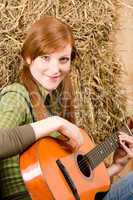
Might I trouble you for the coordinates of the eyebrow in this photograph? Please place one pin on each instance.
(66, 56)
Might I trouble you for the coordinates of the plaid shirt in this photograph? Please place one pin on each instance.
(15, 109)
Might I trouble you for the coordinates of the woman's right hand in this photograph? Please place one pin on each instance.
(64, 127)
(72, 132)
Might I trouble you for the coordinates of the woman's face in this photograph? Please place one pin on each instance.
(50, 69)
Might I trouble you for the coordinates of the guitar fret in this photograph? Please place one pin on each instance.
(100, 152)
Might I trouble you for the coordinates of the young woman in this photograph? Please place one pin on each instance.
(44, 89)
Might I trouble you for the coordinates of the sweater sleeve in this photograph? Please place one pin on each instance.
(15, 140)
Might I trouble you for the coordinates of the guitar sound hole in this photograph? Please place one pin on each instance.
(83, 165)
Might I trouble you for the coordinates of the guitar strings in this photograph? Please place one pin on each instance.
(94, 153)
(85, 160)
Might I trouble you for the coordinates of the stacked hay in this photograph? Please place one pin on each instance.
(96, 72)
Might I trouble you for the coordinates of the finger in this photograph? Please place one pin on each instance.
(122, 133)
(125, 135)
(128, 151)
(126, 138)
(63, 138)
(77, 136)
(120, 152)
(73, 144)
(124, 146)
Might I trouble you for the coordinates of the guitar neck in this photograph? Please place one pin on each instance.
(100, 152)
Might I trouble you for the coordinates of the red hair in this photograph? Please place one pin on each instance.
(47, 35)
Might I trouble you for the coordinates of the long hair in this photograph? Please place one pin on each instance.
(47, 35)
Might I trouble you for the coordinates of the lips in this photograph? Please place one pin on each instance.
(53, 78)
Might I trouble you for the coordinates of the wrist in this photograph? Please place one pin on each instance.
(44, 127)
(114, 169)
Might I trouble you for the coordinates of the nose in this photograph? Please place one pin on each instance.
(54, 66)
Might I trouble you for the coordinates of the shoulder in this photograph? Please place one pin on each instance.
(15, 106)
(16, 89)
(15, 101)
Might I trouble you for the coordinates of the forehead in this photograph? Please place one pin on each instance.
(66, 51)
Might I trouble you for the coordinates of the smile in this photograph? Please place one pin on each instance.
(53, 78)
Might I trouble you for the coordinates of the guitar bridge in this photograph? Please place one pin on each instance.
(68, 179)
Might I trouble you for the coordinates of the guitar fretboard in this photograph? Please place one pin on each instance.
(100, 152)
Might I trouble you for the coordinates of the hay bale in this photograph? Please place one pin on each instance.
(99, 103)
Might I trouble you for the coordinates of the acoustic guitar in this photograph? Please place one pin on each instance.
(52, 171)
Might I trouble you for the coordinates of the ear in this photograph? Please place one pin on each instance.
(28, 60)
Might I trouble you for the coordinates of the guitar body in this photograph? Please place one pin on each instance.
(44, 179)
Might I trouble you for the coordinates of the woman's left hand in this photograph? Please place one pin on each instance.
(126, 142)
(125, 152)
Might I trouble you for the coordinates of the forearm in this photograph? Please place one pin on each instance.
(46, 126)
(16, 140)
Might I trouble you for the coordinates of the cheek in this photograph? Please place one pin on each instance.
(38, 68)
(65, 68)
(33, 70)
(36, 71)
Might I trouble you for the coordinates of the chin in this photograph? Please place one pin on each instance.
(50, 88)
